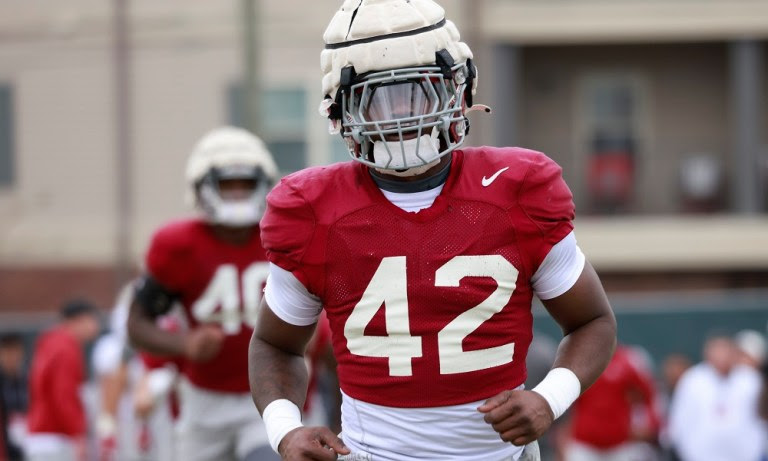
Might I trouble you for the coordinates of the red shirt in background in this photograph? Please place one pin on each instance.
(54, 385)
(602, 416)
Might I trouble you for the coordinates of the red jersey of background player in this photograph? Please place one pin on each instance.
(56, 376)
(602, 416)
(217, 283)
(453, 279)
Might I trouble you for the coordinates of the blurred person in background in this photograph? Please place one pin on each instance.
(117, 370)
(713, 415)
(13, 392)
(751, 345)
(155, 398)
(672, 369)
(617, 417)
(155, 403)
(57, 421)
(215, 267)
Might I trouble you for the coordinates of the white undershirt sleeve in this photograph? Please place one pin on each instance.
(559, 270)
(289, 299)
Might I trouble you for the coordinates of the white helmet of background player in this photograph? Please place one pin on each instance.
(397, 81)
(230, 153)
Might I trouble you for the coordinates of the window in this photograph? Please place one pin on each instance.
(611, 139)
(7, 166)
(283, 123)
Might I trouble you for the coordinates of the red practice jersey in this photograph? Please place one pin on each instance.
(217, 283)
(56, 375)
(430, 308)
(602, 416)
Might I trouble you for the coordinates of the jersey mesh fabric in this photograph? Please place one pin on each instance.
(333, 228)
(184, 256)
(426, 246)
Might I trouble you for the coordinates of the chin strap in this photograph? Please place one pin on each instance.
(477, 107)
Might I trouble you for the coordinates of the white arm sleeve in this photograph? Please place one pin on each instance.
(559, 270)
(289, 299)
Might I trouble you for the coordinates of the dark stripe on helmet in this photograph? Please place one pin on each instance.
(336, 46)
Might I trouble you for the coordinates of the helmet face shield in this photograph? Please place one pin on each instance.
(396, 106)
(406, 101)
(234, 195)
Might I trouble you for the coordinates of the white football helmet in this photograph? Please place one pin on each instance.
(230, 153)
(397, 81)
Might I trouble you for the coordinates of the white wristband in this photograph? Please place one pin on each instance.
(280, 417)
(560, 388)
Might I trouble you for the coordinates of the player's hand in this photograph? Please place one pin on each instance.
(203, 343)
(311, 443)
(520, 417)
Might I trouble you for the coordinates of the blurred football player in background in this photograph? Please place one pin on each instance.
(57, 420)
(215, 267)
(124, 434)
(425, 257)
(113, 371)
(156, 394)
(604, 421)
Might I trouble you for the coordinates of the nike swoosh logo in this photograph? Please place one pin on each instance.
(487, 181)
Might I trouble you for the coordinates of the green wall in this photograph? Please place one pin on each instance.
(677, 322)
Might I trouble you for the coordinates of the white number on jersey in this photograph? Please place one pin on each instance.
(389, 286)
(220, 302)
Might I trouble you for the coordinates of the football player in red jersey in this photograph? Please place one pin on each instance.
(425, 256)
(215, 267)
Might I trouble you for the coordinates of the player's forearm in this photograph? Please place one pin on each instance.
(587, 349)
(112, 385)
(275, 374)
(146, 335)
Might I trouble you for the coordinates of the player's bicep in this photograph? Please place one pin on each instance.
(584, 302)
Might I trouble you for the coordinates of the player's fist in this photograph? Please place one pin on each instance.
(203, 343)
(311, 443)
(520, 417)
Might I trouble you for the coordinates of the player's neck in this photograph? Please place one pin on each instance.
(233, 235)
(430, 179)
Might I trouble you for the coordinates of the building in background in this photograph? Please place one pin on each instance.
(655, 109)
